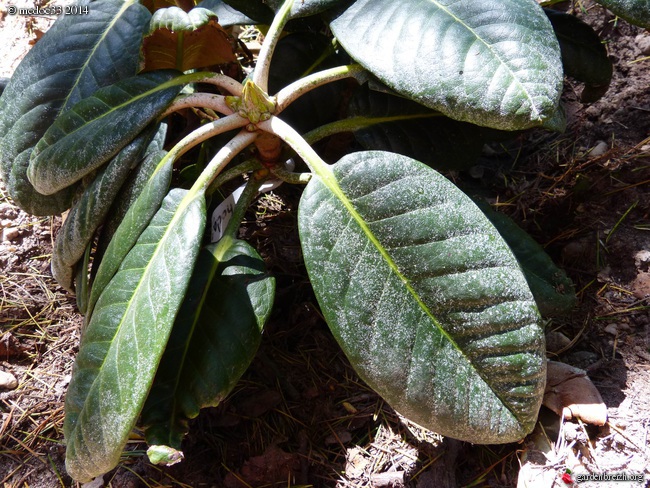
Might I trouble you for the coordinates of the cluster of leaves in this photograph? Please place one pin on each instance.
(427, 292)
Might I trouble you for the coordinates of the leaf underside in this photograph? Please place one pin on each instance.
(184, 41)
(72, 60)
(491, 63)
(124, 341)
(215, 337)
(424, 297)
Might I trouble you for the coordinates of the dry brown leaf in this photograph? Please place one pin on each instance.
(206, 46)
(569, 391)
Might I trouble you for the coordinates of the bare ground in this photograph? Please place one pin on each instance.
(300, 416)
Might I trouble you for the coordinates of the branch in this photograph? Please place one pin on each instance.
(293, 91)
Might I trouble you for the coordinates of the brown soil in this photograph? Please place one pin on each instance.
(300, 416)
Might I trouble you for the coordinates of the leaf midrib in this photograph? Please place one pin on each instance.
(127, 4)
(494, 53)
(180, 210)
(329, 180)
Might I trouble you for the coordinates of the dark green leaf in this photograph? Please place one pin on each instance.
(82, 280)
(400, 125)
(126, 336)
(634, 11)
(72, 60)
(583, 54)
(298, 55)
(215, 337)
(131, 190)
(551, 287)
(228, 15)
(135, 220)
(424, 297)
(303, 8)
(255, 9)
(95, 129)
(490, 62)
(91, 209)
(262, 10)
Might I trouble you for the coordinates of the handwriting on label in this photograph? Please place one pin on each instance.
(223, 213)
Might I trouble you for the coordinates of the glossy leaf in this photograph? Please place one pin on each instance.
(75, 57)
(584, 56)
(492, 63)
(255, 9)
(552, 289)
(95, 129)
(131, 190)
(185, 40)
(634, 11)
(135, 220)
(297, 55)
(89, 212)
(303, 8)
(215, 337)
(126, 336)
(424, 297)
(396, 124)
(228, 15)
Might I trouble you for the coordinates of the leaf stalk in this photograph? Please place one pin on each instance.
(261, 73)
(298, 88)
(199, 100)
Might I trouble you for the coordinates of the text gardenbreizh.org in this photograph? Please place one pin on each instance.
(580, 478)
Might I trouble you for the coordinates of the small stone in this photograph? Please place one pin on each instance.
(642, 259)
(10, 234)
(96, 483)
(7, 211)
(643, 43)
(599, 149)
(612, 329)
(8, 381)
(556, 341)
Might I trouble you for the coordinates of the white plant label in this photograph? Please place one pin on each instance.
(223, 213)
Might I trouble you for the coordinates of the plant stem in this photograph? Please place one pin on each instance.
(201, 100)
(227, 83)
(222, 81)
(234, 121)
(246, 198)
(289, 135)
(291, 92)
(355, 123)
(261, 73)
(291, 177)
(222, 158)
(231, 174)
